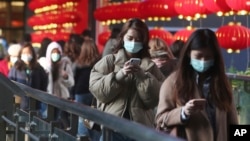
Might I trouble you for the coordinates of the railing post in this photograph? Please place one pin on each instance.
(19, 135)
(106, 134)
(73, 124)
(2, 126)
(52, 135)
(50, 113)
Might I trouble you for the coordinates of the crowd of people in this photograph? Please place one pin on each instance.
(181, 90)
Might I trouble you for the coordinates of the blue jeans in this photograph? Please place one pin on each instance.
(86, 99)
(117, 137)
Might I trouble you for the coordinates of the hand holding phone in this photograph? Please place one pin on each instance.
(135, 61)
(199, 103)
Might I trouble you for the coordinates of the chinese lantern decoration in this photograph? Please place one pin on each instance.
(57, 19)
(233, 37)
(103, 37)
(240, 6)
(217, 6)
(161, 33)
(117, 13)
(183, 34)
(190, 9)
(157, 9)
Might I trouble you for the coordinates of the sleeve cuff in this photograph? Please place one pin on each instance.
(120, 76)
(184, 117)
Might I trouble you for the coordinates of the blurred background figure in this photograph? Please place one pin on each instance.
(162, 56)
(89, 55)
(72, 50)
(42, 53)
(13, 51)
(60, 76)
(176, 48)
(86, 34)
(4, 67)
(112, 41)
(28, 71)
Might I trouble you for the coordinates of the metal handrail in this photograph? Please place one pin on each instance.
(128, 128)
(238, 77)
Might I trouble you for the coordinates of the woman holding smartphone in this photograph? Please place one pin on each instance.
(127, 89)
(196, 101)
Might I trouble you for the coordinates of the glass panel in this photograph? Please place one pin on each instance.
(3, 14)
(17, 16)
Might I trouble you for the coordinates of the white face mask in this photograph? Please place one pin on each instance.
(13, 60)
(26, 58)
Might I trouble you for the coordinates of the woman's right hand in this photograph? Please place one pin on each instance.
(190, 108)
(129, 68)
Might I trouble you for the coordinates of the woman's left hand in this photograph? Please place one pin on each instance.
(64, 74)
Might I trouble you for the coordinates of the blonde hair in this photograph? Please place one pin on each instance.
(158, 47)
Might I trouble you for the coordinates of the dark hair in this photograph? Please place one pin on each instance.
(86, 32)
(20, 65)
(27, 37)
(115, 32)
(61, 43)
(219, 85)
(176, 47)
(142, 29)
(44, 45)
(72, 48)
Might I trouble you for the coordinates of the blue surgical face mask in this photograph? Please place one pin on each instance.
(201, 66)
(55, 57)
(132, 47)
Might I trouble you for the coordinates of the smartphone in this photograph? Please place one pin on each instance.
(200, 103)
(135, 61)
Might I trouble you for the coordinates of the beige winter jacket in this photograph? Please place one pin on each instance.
(138, 92)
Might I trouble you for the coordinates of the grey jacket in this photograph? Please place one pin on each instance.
(139, 93)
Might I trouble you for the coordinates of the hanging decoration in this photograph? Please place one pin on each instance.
(161, 33)
(233, 37)
(157, 10)
(191, 9)
(57, 19)
(183, 34)
(241, 7)
(103, 37)
(219, 7)
(117, 13)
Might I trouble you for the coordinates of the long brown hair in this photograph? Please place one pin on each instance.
(89, 54)
(220, 88)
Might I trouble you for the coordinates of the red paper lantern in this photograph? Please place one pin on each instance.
(127, 11)
(190, 7)
(104, 13)
(157, 8)
(217, 6)
(117, 12)
(163, 34)
(103, 37)
(233, 36)
(183, 34)
(238, 5)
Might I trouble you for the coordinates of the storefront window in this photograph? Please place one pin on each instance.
(12, 20)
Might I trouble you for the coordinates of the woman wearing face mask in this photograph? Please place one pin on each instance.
(60, 77)
(28, 71)
(196, 101)
(125, 89)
